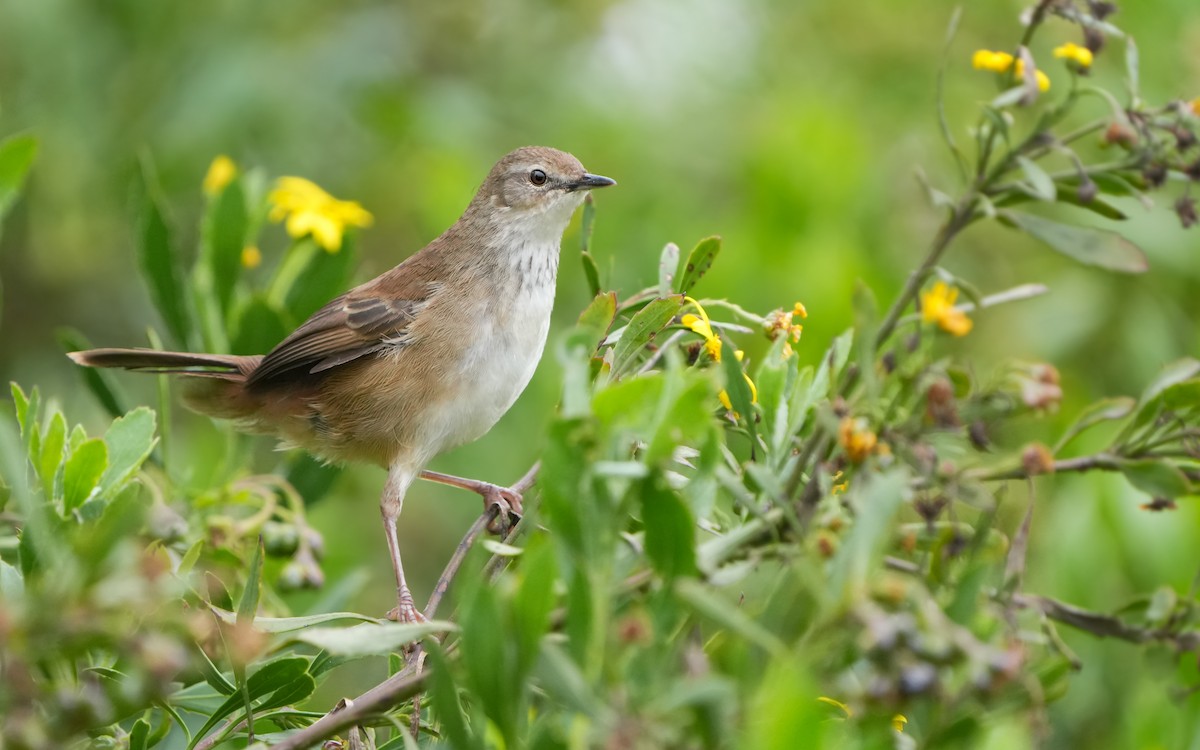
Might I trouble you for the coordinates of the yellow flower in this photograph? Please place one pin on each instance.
(220, 173)
(712, 342)
(856, 438)
(251, 257)
(1081, 56)
(799, 310)
(1002, 62)
(986, 59)
(312, 211)
(1195, 106)
(937, 306)
(898, 722)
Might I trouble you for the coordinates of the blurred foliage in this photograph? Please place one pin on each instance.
(834, 538)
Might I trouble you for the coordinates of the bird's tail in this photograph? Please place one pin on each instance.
(221, 366)
(216, 382)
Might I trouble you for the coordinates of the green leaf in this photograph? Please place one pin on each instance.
(670, 529)
(532, 603)
(642, 328)
(878, 498)
(161, 266)
(370, 638)
(1155, 477)
(1104, 410)
(724, 613)
(444, 697)
(1093, 247)
(668, 266)
(129, 439)
(1132, 67)
(738, 389)
(26, 408)
(563, 681)
(99, 381)
(585, 239)
(222, 240)
(282, 677)
(1040, 184)
(1151, 402)
(257, 326)
(599, 315)
(698, 262)
(138, 734)
(686, 421)
(82, 472)
(290, 624)
(17, 153)
(490, 660)
(309, 277)
(53, 449)
(248, 604)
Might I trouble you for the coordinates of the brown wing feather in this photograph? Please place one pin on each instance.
(359, 323)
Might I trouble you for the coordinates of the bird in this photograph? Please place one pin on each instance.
(425, 357)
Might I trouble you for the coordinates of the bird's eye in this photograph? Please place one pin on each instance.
(537, 177)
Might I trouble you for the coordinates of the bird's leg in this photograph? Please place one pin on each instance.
(389, 505)
(507, 499)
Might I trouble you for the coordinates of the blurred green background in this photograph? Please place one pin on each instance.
(792, 129)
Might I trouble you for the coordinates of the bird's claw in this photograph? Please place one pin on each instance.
(507, 502)
(406, 611)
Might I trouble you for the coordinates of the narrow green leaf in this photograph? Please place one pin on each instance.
(738, 389)
(880, 498)
(248, 604)
(214, 676)
(532, 603)
(1151, 402)
(698, 262)
(591, 272)
(53, 449)
(489, 660)
(291, 624)
(1040, 184)
(1156, 477)
(668, 266)
(162, 268)
(99, 381)
(724, 613)
(1093, 247)
(223, 237)
(278, 675)
(370, 638)
(642, 328)
(444, 697)
(563, 681)
(1104, 410)
(82, 472)
(670, 529)
(129, 439)
(17, 153)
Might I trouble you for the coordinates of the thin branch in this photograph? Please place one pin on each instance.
(1106, 626)
(395, 689)
(1095, 462)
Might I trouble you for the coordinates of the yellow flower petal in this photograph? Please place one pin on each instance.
(898, 722)
(996, 62)
(309, 210)
(937, 306)
(723, 397)
(220, 173)
(800, 310)
(1081, 56)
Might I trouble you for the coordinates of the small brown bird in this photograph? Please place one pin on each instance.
(426, 357)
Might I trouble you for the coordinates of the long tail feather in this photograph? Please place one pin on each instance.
(221, 366)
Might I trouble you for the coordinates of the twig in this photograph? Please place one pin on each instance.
(395, 689)
(456, 560)
(1106, 626)
(1097, 461)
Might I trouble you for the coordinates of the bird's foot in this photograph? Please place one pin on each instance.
(507, 502)
(406, 610)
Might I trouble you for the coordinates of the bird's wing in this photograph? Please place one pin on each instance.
(361, 322)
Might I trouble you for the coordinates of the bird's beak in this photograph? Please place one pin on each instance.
(590, 182)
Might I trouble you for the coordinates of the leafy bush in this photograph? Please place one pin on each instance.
(815, 547)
